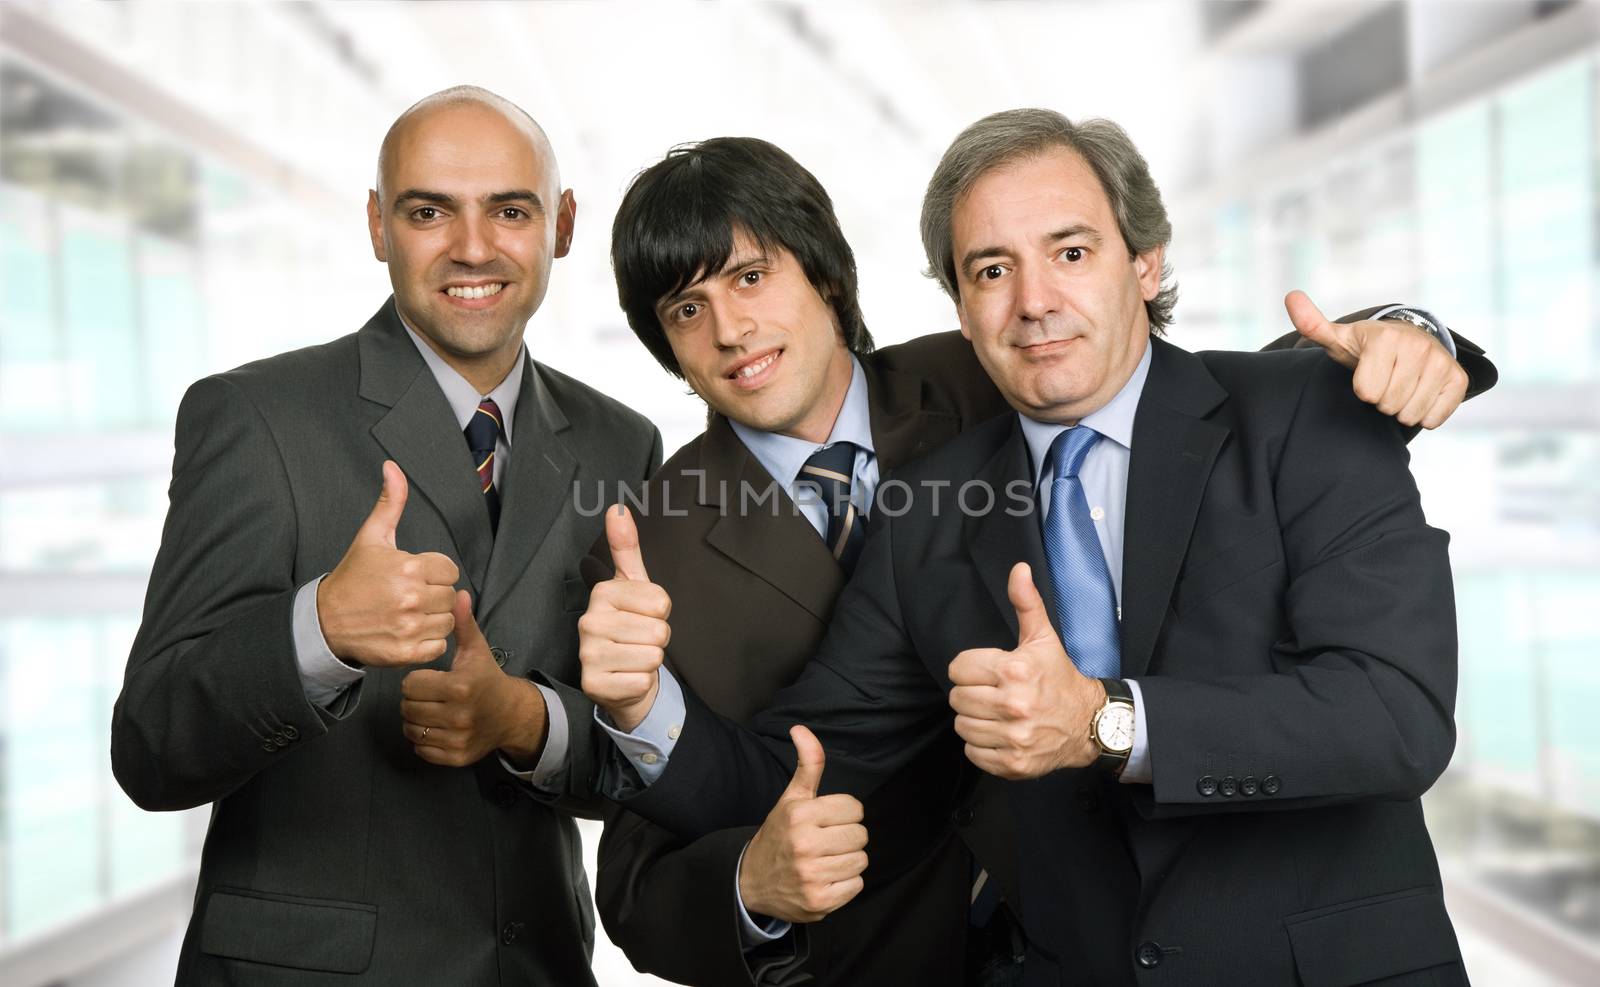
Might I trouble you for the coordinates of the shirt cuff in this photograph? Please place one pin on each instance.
(1446, 338)
(322, 676)
(752, 934)
(546, 772)
(1138, 771)
(650, 744)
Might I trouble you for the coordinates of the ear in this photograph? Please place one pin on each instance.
(1148, 268)
(961, 317)
(566, 214)
(375, 226)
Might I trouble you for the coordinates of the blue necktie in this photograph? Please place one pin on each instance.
(481, 433)
(1086, 605)
(829, 472)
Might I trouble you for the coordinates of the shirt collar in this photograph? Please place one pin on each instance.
(1114, 419)
(783, 455)
(463, 397)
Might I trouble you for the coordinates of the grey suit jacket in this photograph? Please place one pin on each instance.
(334, 849)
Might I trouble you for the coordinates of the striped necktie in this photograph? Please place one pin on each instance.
(828, 471)
(1085, 603)
(481, 432)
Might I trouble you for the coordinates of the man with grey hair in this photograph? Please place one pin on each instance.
(1187, 604)
(390, 808)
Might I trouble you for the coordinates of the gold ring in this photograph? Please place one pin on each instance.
(425, 733)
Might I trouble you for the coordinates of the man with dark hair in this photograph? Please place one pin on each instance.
(733, 271)
(371, 823)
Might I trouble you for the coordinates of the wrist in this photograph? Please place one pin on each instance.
(527, 722)
(628, 716)
(324, 597)
(749, 888)
(1097, 700)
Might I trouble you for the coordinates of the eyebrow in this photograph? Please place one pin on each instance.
(494, 199)
(1083, 230)
(733, 265)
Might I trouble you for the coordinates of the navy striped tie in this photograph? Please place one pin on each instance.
(1085, 603)
(829, 472)
(481, 432)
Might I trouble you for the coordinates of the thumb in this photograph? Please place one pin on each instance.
(623, 537)
(1312, 324)
(470, 643)
(808, 770)
(1033, 619)
(385, 517)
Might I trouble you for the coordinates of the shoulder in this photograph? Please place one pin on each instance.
(950, 372)
(296, 379)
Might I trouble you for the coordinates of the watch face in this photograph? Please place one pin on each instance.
(1114, 728)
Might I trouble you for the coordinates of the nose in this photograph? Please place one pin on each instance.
(472, 244)
(731, 322)
(1037, 294)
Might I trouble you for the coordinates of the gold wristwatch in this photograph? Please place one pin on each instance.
(1111, 729)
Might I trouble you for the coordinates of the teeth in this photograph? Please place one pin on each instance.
(756, 368)
(479, 291)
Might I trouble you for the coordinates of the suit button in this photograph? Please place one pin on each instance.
(1148, 955)
(280, 738)
(1270, 784)
(511, 933)
(963, 816)
(1206, 786)
(504, 795)
(1228, 787)
(500, 655)
(269, 744)
(1247, 785)
(1086, 799)
(291, 731)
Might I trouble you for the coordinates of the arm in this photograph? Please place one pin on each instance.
(1359, 705)
(212, 692)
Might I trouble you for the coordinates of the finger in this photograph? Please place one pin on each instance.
(1371, 378)
(992, 762)
(842, 838)
(1448, 400)
(615, 658)
(985, 702)
(439, 738)
(1312, 324)
(443, 758)
(470, 643)
(840, 867)
(977, 666)
(617, 687)
(428, 713)
(841, 892)
(641, 599)
(439, 570)
(427, 685)
(981, 732)
(623, 537)
(808, 765)
(838, 809)
(380, 525)
(1033, 621)
(1434, 377)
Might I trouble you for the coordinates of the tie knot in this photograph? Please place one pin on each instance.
(484, 427)
(1069, 449)
(837, 462)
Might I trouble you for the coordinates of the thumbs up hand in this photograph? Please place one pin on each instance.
(1025, 712)
(622, 638)
(807, 858)
(455, 718)
(380, 605)
(1399, 367)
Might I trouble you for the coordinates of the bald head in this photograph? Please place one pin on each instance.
(457, 98)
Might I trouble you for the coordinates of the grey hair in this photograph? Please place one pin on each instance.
(476, 96)
(1012, 135)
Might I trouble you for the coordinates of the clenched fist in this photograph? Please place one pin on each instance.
(380, 605)
(622, 638)
(1026, 712)
(807, 858)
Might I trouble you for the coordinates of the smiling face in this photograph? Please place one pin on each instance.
(470, 219)
(759, 343)
(1049, 296)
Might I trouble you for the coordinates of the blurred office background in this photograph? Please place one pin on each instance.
(182, 190)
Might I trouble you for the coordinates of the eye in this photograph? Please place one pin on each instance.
(687, 311)
(513, 212)
(425, 214)
(1073, 254)
(750, 278)
(991, 272)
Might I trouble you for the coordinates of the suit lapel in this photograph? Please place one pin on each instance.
(1174, 448)
(419, 434)
(771, 538)
(1000, 538)
(536, 487)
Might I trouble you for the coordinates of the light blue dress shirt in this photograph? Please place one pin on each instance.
(324, 677)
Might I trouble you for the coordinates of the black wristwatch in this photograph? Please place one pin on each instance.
(1111, 729)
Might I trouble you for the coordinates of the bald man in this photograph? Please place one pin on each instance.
(366, 598)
